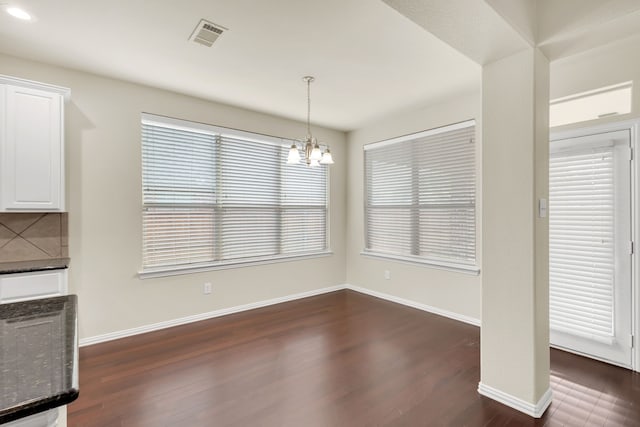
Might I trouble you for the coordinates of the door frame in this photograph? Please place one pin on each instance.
(633, 126)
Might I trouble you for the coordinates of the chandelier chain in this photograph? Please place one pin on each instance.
(308, 107)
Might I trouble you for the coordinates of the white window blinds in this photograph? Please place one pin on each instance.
(420, 196)
(581, 241)
(214, 196)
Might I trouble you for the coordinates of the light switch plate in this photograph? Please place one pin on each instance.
(542, 208)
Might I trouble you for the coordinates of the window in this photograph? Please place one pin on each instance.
(591, 105)
(420, 197)
(214, 196)
(581, 240)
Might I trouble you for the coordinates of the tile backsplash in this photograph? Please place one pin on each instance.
(33, 236)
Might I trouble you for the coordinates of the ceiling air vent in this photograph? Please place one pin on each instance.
(206, 32)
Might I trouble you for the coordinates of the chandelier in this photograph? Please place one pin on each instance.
(313, 156)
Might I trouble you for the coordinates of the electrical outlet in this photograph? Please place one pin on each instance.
(206, 289)
(387, 274)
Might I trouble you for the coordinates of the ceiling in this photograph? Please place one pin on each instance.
(572, 26)
(492, 29)
(369, 61)
(371, 58)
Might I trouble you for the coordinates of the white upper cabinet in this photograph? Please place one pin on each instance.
(31, 146)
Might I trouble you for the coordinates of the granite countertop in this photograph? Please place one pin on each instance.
(37, 265)
(38, 356)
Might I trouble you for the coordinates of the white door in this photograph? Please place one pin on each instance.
(590, 245)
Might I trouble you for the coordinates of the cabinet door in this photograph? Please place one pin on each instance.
(32, 150)
(23, 286)
(43, 419)
(33, 367)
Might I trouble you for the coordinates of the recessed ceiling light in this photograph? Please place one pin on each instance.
(16, 12)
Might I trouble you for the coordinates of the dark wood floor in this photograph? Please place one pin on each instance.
(339, 359)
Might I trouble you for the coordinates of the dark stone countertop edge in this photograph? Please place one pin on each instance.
(37, 265)
(37, 406)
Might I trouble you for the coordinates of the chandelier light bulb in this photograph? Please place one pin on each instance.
(327, 159)
(316, 154)
(294, 155)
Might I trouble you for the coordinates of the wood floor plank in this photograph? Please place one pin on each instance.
(339, 359)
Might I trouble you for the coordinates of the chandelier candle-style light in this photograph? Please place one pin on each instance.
(312, 154)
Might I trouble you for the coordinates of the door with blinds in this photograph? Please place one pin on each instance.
(590, 245)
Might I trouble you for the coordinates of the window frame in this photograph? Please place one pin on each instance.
(461, 267)
(587, 106)
(220, 264)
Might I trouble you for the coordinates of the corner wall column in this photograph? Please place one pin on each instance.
(515, 277)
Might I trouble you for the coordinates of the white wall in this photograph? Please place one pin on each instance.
(104, 204)
(453, 292)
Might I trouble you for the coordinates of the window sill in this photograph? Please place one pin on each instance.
(440, 265)
(177, 270)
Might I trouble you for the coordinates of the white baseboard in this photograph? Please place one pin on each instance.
(203, 316)
(224, 311)
(413, 304)
(534, 410)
